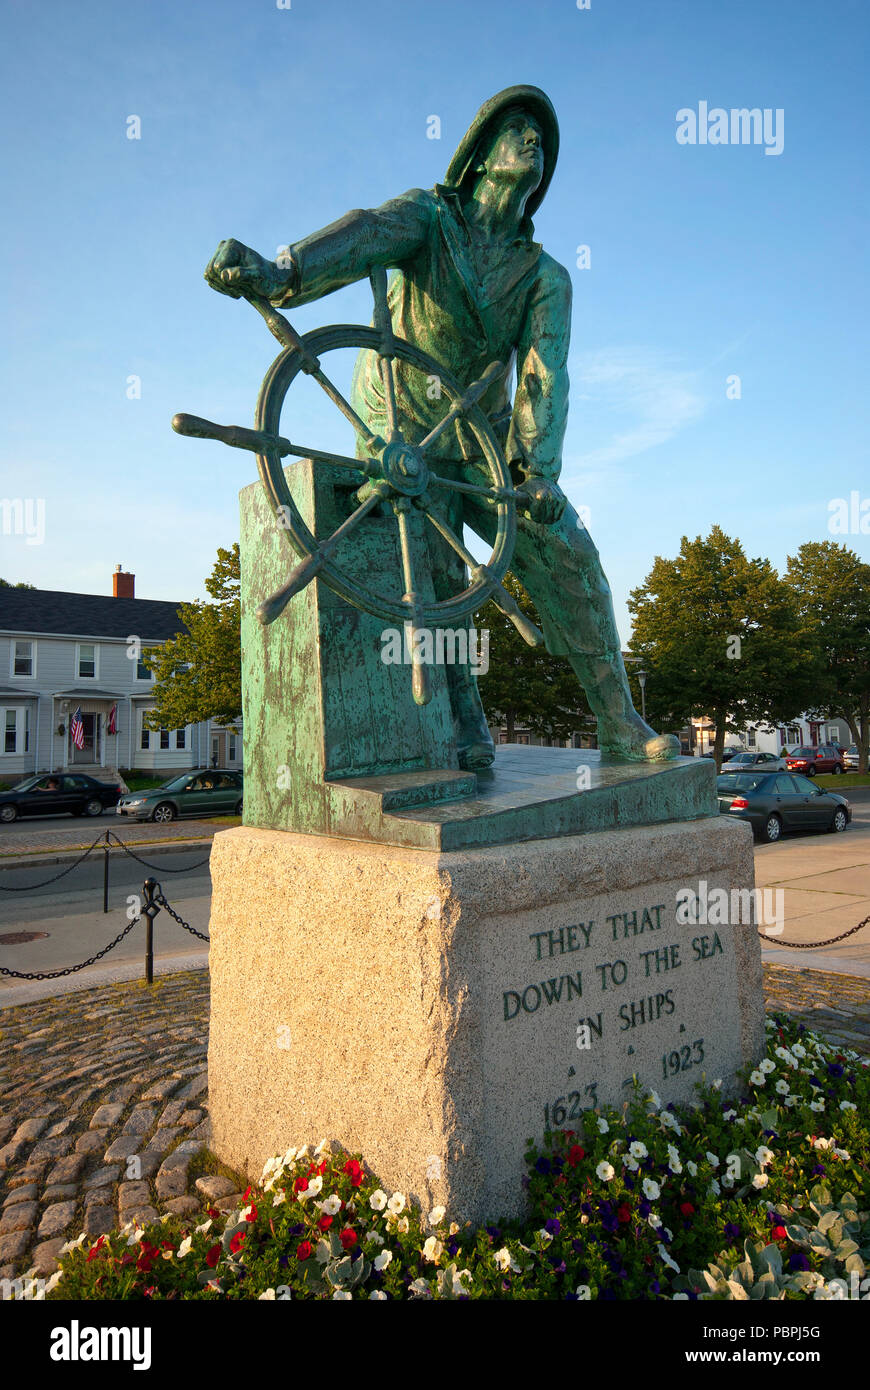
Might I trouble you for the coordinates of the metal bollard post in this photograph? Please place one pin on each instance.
(150, 889)
(106, 874)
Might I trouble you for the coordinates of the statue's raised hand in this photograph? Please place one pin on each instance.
(235, 269)
(545, 502)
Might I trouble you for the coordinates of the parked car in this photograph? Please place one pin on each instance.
(825, 758)
(57, 794)
(729, 753)
(211, 791)
(765, 762)
(773, 803)
(851, 759)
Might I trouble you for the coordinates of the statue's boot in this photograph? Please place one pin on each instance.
(622, 734)
(476, 748)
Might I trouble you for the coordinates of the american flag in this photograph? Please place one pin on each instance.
(113, 717)
(77, 729)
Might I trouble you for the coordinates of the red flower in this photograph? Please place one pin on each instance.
(212, 1256)
(237, 1241)
(569, 1133)
(95, 1250)
(212, 1212)
(144, 1263)
(300, 1184)
(624, 1213)
(348, 1238)
(575, 1153)
(687, 1209)
(303, 1250)
(779, 1233)
(355, 1170)
(246, 1194)
(324, 1223)
(252, 1214)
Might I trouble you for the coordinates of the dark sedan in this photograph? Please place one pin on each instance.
(57, 794)
(773, 803)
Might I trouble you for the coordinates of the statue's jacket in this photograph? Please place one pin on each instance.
(519, 313)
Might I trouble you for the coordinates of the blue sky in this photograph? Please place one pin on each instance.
(264, 124)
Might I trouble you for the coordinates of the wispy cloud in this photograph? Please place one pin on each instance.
(633, 399)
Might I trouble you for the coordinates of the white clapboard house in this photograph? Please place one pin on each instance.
(62, 652)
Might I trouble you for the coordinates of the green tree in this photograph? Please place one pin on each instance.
(719, 635)
(198, 673)
(526, 685)
(831, 585)
(4, 584)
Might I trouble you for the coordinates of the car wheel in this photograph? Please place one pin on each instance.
(94, 806)
(8, 814)
(772, 829)
(239, 808)
(811, 772)
(836, 770)
(164, 812)
(840, 821)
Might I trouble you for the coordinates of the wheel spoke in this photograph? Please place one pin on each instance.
(420, 681)
(387, 347)
(494, 494)
(469, 398)
(503, 600)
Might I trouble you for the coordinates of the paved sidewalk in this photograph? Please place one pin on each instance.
(33, 843)
(104, 1106)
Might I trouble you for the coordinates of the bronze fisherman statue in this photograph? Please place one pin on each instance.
(470, 285)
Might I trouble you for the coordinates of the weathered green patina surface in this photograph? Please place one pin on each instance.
(441, 442)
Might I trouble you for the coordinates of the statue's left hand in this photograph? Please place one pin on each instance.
(546, 501)
(236, 268)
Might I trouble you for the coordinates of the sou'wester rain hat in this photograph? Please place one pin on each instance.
(537, 104)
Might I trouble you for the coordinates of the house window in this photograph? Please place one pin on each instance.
(180, 738)
(142, 672)
(86, 661)
(23, 659)
(145, 737)
(232, 752)
(794, 734)
(10, 731)
(750, 738)
(27, 728)
(164, 738)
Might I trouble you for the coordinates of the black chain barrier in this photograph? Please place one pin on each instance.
(162, 868)
(71, 969)
(814, 945)
(161, 901)
(69, 868)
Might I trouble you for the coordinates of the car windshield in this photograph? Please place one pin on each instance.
(742, 758)
(804, 753)
(739, 781)
(175, 784)
(26, 784)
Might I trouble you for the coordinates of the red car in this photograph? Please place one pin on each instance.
(825, 758)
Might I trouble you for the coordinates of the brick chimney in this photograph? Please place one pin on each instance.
(123, 585)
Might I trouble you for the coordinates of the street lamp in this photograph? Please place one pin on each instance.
(641, 675)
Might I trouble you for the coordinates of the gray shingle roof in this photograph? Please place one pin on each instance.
(87, 615)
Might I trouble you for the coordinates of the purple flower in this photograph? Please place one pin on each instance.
(543, 1165)
(835, 1069)
(553, 1226)
(731, 1231)
(819, 1169)
(798, 1261)
(493, 1232)
(644, 1208)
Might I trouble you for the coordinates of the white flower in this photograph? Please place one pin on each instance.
(653, 1099)
(198, 1230)
(331, 1205)
(605, 1171)
(799, 1050)
(680, 1298)
(630, 1163)
(545, 1235)
(54, 1280)
(313, 1188)
(245, 1213)
(767, 1066)
(714, 1187)
(764, 1155)
(381, 1261)
(185, 1247)
(341, 1295)
(74, 1244)
(638, 1150)
(821, 1143)
(817, 1105)
(302, 1153)
(503, 1258)
(760, 1180)
(667, 1119)
(603, 1126)
(663, 1255)
(651, 1189)
(712, 1159)
(674, 1160)
(692, 1168)
(841, 1153)
(453, 1229)
(848, 1105)
(396, 1203)
(377, 1296)
(717, 1085)
(420, 1289)
(729, 1114)
(402, 1225)
(378, 1200)
(321, 1148)
(279, 1197)
(269, 1296)
(782, 1087)
(374, 1238)
(432, 1248)
(756, 1078)
(436, 1216)
(792, 1100)
(654, 1220)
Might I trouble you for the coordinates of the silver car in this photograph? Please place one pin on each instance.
(755, 762)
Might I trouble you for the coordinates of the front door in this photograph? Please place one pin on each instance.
(218, 748)
(90, 749)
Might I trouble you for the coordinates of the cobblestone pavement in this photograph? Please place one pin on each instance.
(103, 1105)
(29, 838)
(837, 1006)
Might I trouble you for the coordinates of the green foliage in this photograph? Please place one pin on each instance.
(718, 1200)
(526, 685)
(4, 584)
(720, 636)
(198, 674)
(831, 585)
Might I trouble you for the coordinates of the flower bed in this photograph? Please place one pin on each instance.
(761, 1196)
